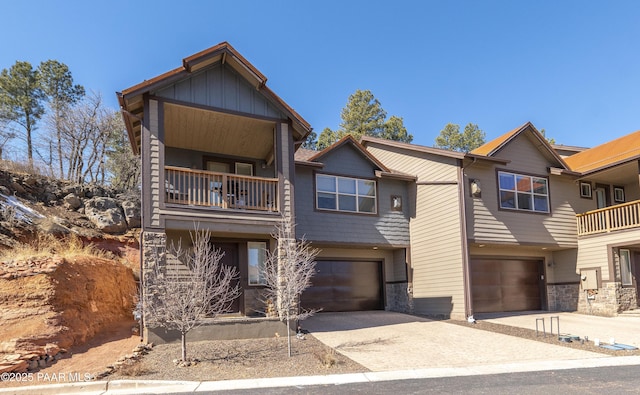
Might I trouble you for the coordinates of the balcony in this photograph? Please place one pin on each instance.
(203, 188)
(609, 219)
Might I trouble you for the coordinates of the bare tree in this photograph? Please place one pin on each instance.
(288, 272)
(191, 286)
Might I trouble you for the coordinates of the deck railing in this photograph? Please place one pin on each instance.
(618, 217)
(213, 189)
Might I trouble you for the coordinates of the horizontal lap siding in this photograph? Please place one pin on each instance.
(436, 254)
(436, 240)
(154, 170)
(488, 224)
(593, 251)
(384, 228)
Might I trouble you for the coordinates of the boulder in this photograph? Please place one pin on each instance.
(131, 208)
(106, 214)
(72, 201)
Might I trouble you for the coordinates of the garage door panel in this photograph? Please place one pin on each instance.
(345, 286)
(505, 285)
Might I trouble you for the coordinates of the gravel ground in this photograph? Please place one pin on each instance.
(261, 358)
(240, 359)
(551, 339)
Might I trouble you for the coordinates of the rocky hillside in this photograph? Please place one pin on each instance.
(86, 283)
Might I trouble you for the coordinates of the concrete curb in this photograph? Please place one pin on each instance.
(123, 387)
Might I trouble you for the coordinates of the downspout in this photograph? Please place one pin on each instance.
(468, 303)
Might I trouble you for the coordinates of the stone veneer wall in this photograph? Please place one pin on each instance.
(399, 297)
(563, 297)
(628, 299)
(606, 302)
(154, 253)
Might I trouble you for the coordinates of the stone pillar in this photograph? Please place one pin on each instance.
(154, 254)
(399, 297)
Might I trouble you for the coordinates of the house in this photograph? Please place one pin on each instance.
(514, 245)
(217, 148)
(608, 232)
(517, 224)
(357, 212)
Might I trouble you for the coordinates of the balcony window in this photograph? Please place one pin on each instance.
(345, 194)
(625, 267)
(523, 192)
(257, 252)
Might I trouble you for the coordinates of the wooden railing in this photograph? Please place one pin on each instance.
(618, 217)
(212, 189)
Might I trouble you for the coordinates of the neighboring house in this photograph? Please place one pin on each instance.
(217, 149)
(357, 212)
(400, 226)
(515, 247)
(609, 233)
(494, 229)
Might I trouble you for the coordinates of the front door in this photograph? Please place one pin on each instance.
(230, 258)
(602, 196)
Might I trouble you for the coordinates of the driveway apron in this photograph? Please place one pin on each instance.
(382, 341)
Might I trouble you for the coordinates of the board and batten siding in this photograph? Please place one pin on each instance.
(222, 87)
(487, 223)
(594, 250)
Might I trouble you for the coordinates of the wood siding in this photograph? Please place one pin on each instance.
(220, 86)
(427, 167)
(155, 170)
(593, 251)
(487, 223)
(437, 250)
(386, 228)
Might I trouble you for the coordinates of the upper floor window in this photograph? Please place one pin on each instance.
(523, 192)
(345, 194)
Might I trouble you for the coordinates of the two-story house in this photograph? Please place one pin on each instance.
(357, 212)
(492, 230)
(608, 258)
(217, 150)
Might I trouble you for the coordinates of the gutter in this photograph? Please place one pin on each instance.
(466, 271)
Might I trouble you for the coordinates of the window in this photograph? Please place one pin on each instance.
(244, 169)
(618, 194)
(625, 267)
(345, 194)
(257, 253)
(523, 192)
(585, 190)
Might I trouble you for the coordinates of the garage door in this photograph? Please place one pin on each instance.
(345, 286)
(506, 285)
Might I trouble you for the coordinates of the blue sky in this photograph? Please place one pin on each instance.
(570, 67)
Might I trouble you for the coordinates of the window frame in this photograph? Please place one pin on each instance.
(531, 193)
(618, 194)
(357, 195)
(627, 265)
(261, 279)
(586, 190)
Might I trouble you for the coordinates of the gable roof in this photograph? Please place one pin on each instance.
(609, 154)
(131, 101)
(348, 139)
(496, 145)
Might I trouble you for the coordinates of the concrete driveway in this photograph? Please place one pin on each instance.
(384, 341)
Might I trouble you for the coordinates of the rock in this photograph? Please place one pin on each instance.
(4, 190)
(131, 208)
(17, 187)
(33, 364)
(106, 214)
(52, 349)
(72, 201)
(31, 181)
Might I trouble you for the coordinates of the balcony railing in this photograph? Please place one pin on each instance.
(228, 191)
(608, 219)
